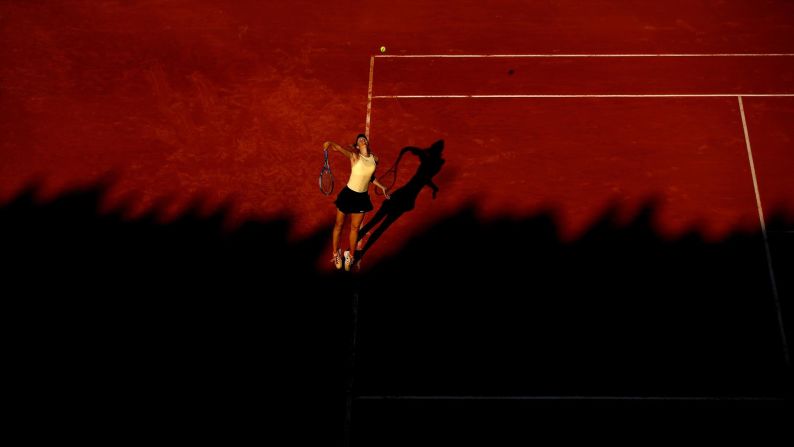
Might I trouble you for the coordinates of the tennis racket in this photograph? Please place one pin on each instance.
(326, 179)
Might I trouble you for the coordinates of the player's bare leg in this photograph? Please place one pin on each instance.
(340, 221)
(355, 224)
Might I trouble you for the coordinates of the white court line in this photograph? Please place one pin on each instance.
(369, 96)
(672, 95)
(586, 55)
(659, 398)
(755, 185)
(763, 232)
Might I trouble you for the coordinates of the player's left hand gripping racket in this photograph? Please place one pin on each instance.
(326, 178)
(388, 178)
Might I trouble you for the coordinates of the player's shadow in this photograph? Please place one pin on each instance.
(403, 199)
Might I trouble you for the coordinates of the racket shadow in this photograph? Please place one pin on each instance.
(404, 198)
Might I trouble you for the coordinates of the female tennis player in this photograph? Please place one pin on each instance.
(353, 200)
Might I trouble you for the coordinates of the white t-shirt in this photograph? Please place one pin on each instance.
(361, 173)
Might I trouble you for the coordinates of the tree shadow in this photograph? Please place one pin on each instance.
(132, 317)
(131, 321)
(403, 199)
(622, 313)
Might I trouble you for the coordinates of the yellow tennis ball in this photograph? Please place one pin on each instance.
(382, 49)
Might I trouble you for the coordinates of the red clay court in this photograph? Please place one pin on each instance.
(574, 133)
(613, 216)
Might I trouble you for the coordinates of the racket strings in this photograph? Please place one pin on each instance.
(326, 180)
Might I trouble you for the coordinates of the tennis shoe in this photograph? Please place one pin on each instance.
(337, 259)
(348, 260)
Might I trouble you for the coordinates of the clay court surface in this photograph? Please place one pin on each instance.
(613, 218)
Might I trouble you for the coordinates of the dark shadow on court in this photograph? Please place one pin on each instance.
(403, 199)
(506, 308)
(141, 326)
(124, 322)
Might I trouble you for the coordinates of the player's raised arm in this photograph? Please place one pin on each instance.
(382, 188)
(338, 148)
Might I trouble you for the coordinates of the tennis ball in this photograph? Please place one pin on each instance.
(382, 49)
